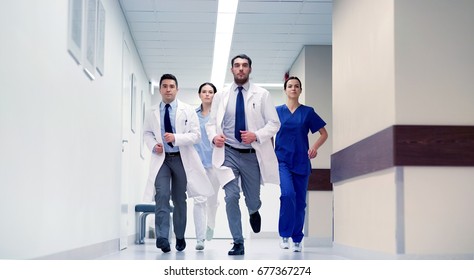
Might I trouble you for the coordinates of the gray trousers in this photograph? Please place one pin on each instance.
(170, 183)
(246, 167)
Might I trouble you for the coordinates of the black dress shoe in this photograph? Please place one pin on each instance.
(180, 244)
(163, 244)
(238, 249)
(255, 222)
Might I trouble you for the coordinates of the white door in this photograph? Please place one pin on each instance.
(126, 122)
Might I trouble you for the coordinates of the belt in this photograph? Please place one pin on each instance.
(243, 151)
(174, 154)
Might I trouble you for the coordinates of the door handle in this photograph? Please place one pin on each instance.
(124, 141)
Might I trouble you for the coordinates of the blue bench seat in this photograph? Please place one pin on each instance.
(142, 211)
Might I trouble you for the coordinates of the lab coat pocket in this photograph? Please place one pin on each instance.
(254, 115)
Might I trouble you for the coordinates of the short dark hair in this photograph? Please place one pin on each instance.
(292, 78)
(243, 56)
(209, 84)
(168, 77)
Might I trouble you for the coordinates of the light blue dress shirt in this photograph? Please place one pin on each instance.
(229, 117)
(204, 147)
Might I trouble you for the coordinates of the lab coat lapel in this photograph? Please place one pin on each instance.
(180, 116)
(158, 123)
(222, 108)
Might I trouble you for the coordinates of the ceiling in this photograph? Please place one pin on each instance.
(177, 36)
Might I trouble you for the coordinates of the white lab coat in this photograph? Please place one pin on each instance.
(187, 134)
(261, 118)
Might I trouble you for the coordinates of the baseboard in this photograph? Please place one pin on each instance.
(317, 241)
(363, 254)
(90, 252)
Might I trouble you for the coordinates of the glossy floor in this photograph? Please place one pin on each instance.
(216, 249)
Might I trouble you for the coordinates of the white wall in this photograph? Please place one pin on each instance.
(61, 134)
(318, 94)
(313, 67)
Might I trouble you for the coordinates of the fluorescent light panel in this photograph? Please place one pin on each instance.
(227, 9)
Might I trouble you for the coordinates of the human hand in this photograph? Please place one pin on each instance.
(248, 136)
(158, 149)
(169, 137)
(312, 153)
(219, 141)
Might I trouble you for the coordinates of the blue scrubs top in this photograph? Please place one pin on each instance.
(204, 147)
(291, 143)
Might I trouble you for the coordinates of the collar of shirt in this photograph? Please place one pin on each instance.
(245, 86)
(199, 109)
(173, 105)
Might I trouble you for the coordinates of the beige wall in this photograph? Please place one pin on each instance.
(434, 62)
(439, 207)
(363, 70)
(399, 62)
(365, 212)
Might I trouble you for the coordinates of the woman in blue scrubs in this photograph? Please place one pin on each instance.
(294, 155)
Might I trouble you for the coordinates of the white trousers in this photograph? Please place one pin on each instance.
(205, 208)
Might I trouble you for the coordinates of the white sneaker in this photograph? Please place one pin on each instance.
(284, 244)
(297, 247)
(209, 233)
(200, 244)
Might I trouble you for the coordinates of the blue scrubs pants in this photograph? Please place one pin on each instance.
(292, 203)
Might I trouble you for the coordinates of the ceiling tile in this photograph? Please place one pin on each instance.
(178, 36)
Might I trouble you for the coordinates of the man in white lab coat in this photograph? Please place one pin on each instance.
(241, 126)
(170, 130)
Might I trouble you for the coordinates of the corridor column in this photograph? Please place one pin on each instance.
(314, 68)
(403, 143)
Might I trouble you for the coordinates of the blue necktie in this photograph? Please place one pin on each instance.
(239, 115)
(168, 127)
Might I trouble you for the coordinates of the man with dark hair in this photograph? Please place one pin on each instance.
(242, 123)
(170, 130)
